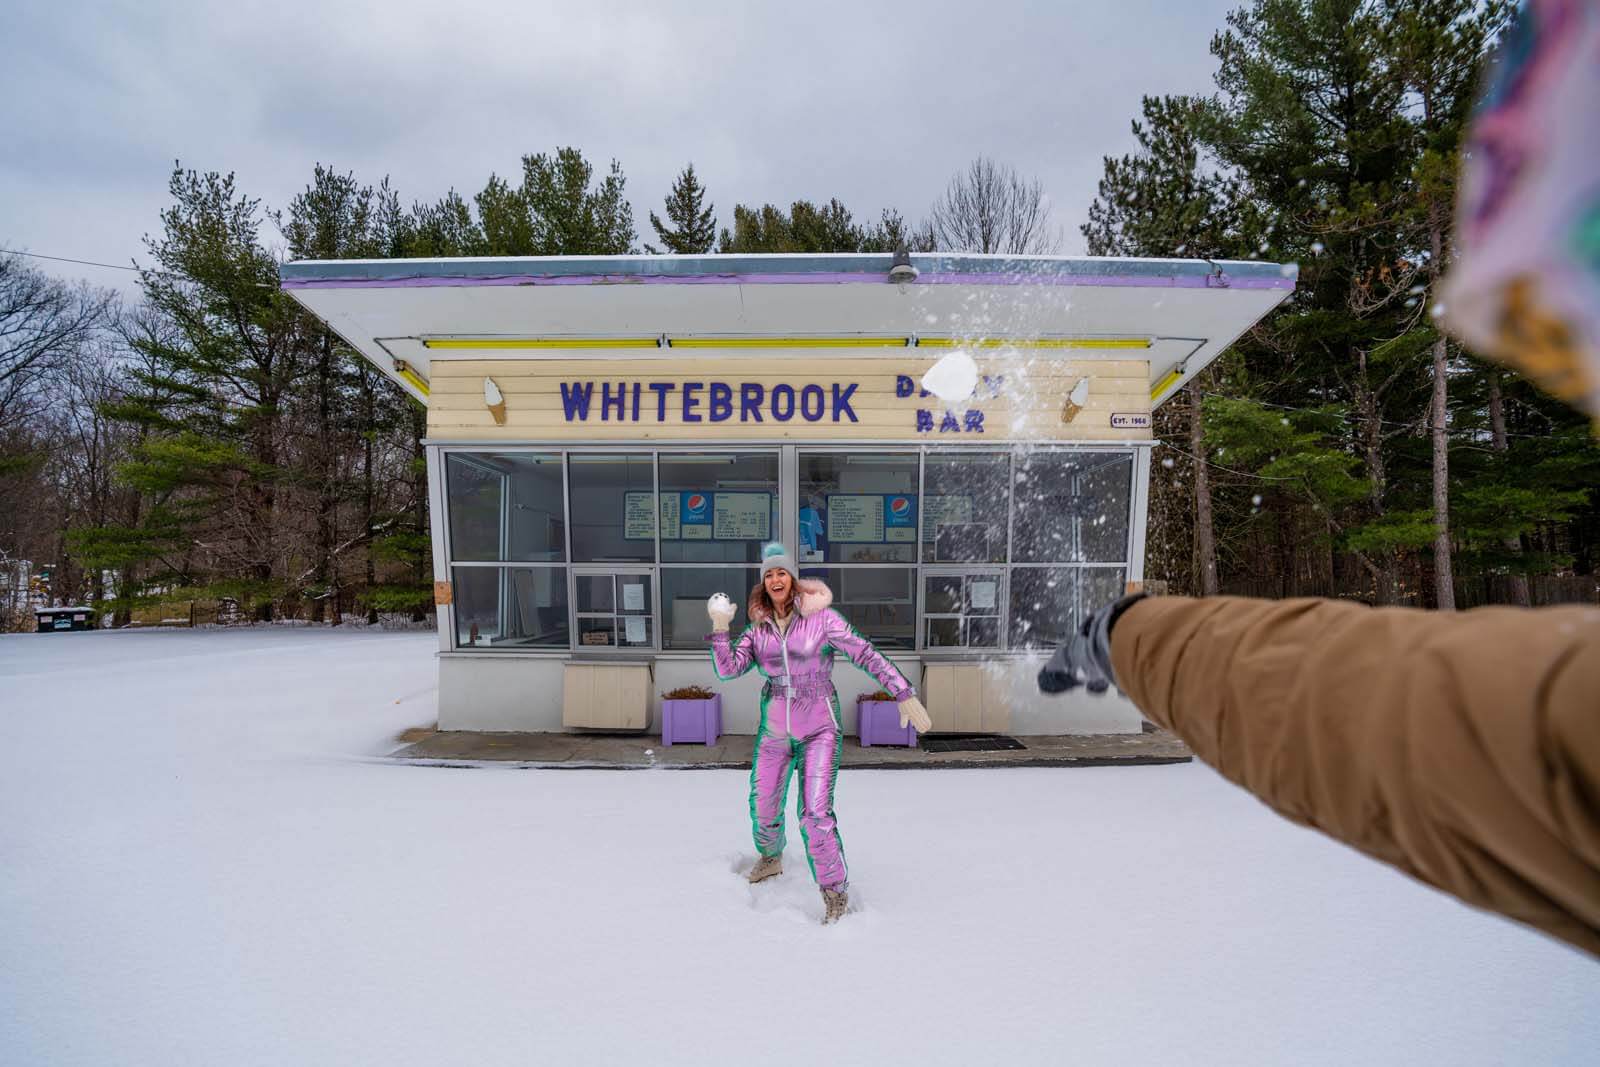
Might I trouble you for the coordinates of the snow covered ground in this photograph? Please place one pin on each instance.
(201, 863)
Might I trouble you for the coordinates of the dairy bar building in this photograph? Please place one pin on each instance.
(612, 440)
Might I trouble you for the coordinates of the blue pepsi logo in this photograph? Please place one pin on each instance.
(696, 503)
(900, 507)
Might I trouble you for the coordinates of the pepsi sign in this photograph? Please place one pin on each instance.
(694, 508)
(899, 510)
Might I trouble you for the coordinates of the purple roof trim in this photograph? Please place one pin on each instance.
(1167, 281)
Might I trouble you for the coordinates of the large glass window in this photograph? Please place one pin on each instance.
(1099, 586)
(1015, 548)
(1071, 507)
(1047, 603)
(511, 607)
(1044, 606)
(505, 506)
(684, 591)
(858, 507)
(878, 601)
(718, 507)
(1106, 492)
(613, 508)
(965, 505)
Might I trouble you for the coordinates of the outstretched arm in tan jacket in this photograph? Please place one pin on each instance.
(1463, 749)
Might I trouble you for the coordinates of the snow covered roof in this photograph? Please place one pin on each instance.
(403, 314)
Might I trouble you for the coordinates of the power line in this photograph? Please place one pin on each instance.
(82, 262)
(1214, 464)
(115, 266)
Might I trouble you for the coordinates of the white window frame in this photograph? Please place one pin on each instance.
(788, 529)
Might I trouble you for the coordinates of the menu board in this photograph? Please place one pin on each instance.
(742, 516)
(872, 518)
(637, 521)
(855, 518)
(692, 515)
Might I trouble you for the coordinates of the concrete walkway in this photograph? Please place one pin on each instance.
(733, 751)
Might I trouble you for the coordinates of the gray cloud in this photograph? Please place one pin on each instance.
(877, 104)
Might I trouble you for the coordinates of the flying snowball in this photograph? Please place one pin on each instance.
(952, 379)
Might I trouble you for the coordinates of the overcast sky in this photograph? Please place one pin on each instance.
(875, 103)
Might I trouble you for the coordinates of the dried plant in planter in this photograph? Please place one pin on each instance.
(879, 695)
(689, 692)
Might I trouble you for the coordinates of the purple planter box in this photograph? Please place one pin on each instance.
(878, 723)
(691, 721)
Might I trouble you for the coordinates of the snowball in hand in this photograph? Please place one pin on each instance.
(952, 379)
(721, 611)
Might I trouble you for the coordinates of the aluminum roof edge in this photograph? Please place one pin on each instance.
(837, 269)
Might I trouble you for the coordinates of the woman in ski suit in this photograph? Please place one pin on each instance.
(792, 638)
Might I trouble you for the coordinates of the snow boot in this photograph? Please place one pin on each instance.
(834, 902)
(766, 867)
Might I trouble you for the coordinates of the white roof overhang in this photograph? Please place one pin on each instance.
(404, 314)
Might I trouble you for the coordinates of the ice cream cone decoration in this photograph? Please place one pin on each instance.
(495, 401)
(1075, 400)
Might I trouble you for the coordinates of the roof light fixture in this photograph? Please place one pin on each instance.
(901, 271)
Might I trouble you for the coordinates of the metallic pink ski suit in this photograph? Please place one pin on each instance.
(800, 718)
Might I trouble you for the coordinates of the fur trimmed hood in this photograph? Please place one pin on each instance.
(811, 596)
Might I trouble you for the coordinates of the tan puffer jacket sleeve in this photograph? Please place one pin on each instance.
(1463, 749)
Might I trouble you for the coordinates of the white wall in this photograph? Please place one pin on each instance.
(493, 692)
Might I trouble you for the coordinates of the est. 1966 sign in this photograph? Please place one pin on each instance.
(773, 397)
(1127, 420)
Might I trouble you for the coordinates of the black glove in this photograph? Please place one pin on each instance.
(1085, 659)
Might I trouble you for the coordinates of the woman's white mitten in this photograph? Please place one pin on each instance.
(722, 611)
(912, 711)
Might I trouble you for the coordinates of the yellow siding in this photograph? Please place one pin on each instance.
(1027, 402)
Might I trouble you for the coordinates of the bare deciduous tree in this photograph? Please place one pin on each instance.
(990, 208)
(43, 322)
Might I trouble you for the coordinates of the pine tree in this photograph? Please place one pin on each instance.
(446, 229)
(555, 212)
(693, 229)
(1332, 139)
(1432, 48)
(1313, 120)
(805, 227)
(1166, 200)
(891, 233)
(333, 218)
(809, 227)
(222, 385)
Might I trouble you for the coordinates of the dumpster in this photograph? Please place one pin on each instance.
(52, 620)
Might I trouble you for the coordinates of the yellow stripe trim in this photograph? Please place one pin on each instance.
(492, 343)
(787, 342)
(417, 381)
(1166, 380)
(540, 342)
(1036, 342)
